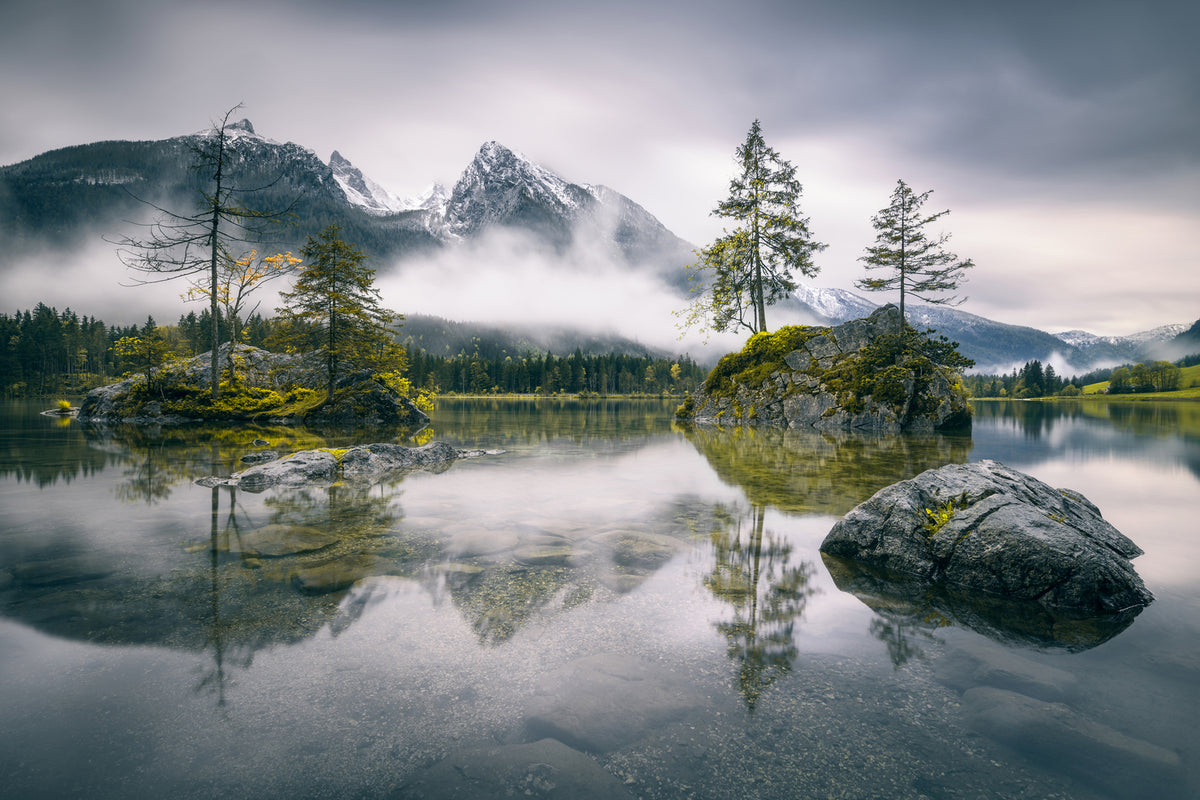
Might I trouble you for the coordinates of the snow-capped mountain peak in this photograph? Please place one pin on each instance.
(361, 191)
(835, 305)
(433, 199)
(238, 131)
(502, 186)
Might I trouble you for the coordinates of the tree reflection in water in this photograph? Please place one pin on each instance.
(752, 571)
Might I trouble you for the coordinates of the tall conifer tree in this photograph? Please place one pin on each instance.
(335, 292)
(754, 266)
(918, 263)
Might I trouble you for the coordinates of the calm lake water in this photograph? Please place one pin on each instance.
(613, 606)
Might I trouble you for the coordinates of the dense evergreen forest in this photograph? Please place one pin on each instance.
(47, 352)
(1036, 379)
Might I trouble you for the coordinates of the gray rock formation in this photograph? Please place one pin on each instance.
(818, 385)
(994, 530)
(365, 462)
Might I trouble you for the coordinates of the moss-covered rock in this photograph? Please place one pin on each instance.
(871, 374)
(269, 386)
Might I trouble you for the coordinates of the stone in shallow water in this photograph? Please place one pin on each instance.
(1055, 734)
(546, 769)
(338, 574)
(282, 540)
(976, 664)
(260, 457)
(603, 702)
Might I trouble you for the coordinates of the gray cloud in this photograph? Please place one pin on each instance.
(1042, 114)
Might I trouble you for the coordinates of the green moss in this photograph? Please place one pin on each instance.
(686, 409)
(761, 357)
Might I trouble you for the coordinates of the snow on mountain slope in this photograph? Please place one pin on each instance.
(834, 305)
(361, 191)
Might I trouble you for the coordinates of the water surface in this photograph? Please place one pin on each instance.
(650, 596)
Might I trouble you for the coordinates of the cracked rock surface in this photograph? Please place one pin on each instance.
(1001, 533)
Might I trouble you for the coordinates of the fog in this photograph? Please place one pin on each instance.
(505, 277)
(92, 281)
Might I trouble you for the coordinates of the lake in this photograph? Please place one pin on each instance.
(609, 606)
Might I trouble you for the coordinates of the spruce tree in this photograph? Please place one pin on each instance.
(335, 292)
(918, 263)
(754, 266)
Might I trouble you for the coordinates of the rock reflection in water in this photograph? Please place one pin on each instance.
(911, 610)
(806, 472)
(753, 571)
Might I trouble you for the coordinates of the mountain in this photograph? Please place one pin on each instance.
(65, 197)
(997, 347)
(502, 188)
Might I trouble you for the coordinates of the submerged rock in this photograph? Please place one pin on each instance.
(873, 374)
(994, 530)
(914, 608)
(367, 462)
(604, 702)
(1054, 733)
(544, 768)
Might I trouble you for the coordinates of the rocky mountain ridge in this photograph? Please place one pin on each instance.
(998, 347)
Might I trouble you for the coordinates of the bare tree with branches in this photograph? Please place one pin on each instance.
(200, 244)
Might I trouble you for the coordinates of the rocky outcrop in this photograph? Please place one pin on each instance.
(365, 462)
(872, 375)
(993, 530)
(180, 397)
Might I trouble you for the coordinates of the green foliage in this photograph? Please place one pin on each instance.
(424, 399)
(335, 292)
(745, 270)
(893, 367)
(918, 264)
(761, 356)
(937, 517)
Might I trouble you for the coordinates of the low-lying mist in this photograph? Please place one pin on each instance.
(506, 278)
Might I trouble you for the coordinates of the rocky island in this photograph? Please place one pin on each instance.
(276, 387)
(875, 374)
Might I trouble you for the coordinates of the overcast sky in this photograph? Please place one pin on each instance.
(1063, 136)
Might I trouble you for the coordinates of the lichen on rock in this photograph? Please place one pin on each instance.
(1006, 534)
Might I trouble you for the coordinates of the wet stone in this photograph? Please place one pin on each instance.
(1055, 734)
(603, 702)
(545, 556)
(282, 540)
(981, 664)
(541, 769)
(341, 573)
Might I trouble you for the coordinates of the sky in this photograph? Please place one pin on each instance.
(1064, 136)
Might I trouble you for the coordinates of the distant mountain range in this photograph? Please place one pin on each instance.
(64, 198)
(997, 347)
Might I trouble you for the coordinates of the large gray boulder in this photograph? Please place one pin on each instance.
(994, 530)
(833, 379)
(366, 462)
